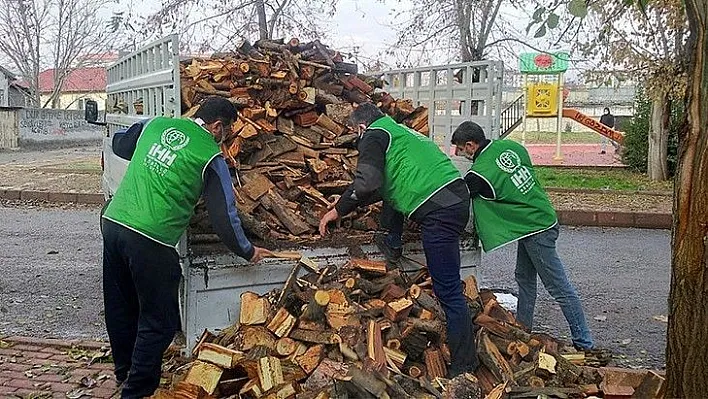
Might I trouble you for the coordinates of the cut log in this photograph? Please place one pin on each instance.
(339, 112)
(306, 119)
(545, 365)
(282, 391)
(251, 389)
(427, 301)
(502, 329)
(367, 382)
(398, 310)
(326, 122)
(490, 356)
(471, 291)
(219, 355)
(285, 346)
(254, 309)
(369, 266)
(652, 387)
(252, 336)
(315, 337)
(315, 310)
(183, 390)
(204, 375)
(434, 363)
(392, 292)
(463, 386)
(294, 222)
(255, 185)
(282, 323)
(395, 357)
(270, 373)
(311, 358)
(376, 358)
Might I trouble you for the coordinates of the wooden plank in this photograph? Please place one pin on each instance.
(370, 266)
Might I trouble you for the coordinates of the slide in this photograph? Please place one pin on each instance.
(580, 117)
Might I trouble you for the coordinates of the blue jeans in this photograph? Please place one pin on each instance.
(537, 256)
(441, 242)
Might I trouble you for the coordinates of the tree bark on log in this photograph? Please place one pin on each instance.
(687, 362)
(659, 138)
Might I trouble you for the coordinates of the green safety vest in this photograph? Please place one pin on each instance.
(415, 167)
(519, 206)
(164, 179)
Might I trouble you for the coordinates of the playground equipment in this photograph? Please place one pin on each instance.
(543, 77)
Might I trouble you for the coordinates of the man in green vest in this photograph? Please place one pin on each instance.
(173, 162)
(417, 180)
(510, 205)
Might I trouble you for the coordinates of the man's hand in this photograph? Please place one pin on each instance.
(260, 253)
(330, 216)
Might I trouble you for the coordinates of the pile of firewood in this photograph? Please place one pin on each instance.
(363, 331)
(291, 148)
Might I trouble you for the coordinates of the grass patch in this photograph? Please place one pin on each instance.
(550, 137)
(611, 179)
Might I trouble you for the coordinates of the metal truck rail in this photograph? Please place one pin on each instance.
(213, 280)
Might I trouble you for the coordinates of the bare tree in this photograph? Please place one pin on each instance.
(648, 43)
(23, 29)
(39, 34)
(76, 32)
(468, 30)
(216, 25)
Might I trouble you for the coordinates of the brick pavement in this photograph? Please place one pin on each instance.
(37, 368)
(573, 155)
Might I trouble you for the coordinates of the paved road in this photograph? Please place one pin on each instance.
(622, 274)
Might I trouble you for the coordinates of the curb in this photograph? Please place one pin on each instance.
(56, 343)
(31, 195)
(610, 192)
(639, 220)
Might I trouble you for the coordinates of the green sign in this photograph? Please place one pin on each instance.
(543, 63)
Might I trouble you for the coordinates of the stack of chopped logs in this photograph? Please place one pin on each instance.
(363, 331)
(291, 148)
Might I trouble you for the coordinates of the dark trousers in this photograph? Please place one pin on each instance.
(441, 242)
(140, 293)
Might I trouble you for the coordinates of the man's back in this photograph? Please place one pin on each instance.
(164, 179)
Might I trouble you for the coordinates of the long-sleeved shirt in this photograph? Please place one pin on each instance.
(608, 120)
(475, 184)
(218, 192)
(369, 178)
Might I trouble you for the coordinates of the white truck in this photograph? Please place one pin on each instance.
(214, 278)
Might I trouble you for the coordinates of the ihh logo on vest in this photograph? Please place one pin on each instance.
(510, 162)
(163, 154)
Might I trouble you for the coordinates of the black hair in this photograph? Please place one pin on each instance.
(468, 131)
(366, 114)
(606, 109)
(216, 108)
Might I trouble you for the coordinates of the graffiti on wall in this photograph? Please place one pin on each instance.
(55, 124)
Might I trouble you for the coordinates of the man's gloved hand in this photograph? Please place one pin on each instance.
(260, 253)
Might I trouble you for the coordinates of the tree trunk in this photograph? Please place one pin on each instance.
(659, 138)
(262, 20)
(687, 352)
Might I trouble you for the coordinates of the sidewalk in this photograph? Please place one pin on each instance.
(46, 368)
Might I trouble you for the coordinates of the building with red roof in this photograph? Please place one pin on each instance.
(80, 85)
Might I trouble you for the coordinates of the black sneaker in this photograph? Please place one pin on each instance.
(392, 255)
